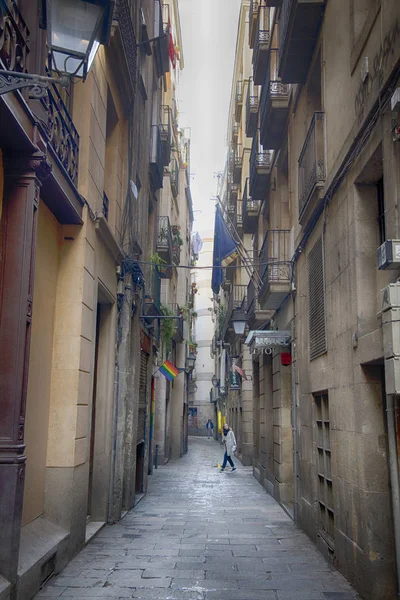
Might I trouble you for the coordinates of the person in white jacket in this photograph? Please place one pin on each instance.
(229, 441)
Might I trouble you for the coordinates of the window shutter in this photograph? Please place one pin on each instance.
(141, 423)
(316, 294)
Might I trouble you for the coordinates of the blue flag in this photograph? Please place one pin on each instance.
(225, 250)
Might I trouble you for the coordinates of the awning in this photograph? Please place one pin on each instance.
(263, 339)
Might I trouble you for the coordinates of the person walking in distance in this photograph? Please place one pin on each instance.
(229, 441)
(210, 427)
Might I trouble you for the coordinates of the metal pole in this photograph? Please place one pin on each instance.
(394, 478)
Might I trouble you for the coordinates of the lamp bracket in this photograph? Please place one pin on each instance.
(13, 80)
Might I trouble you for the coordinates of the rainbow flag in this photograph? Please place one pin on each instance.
(168, 370)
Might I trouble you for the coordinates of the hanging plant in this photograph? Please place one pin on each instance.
(167, 329)
(177, 238)
(160, 265)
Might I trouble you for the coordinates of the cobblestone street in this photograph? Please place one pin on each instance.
(200, 534)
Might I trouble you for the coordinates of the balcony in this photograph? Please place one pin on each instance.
(235, 135)
(260, 171)
(174, 172)
(274, 106)
(165, 135)
(239, 217)
(256, 317)
(271, 3)
(164, 239)
(299, 25)
(178, 335)
(251, 210)
(261, 46)
(253, 18)
(275, 269)
(239, 100)
(176, 254)
(235, 164)
(233, 193)
(161, 43)
(152, 298)
(236, 305)
(156, 163)
(312, 168)
(251, 109)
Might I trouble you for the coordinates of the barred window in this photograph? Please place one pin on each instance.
(316, 294)
(324, 490)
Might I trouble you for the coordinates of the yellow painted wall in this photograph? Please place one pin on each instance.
(38, 400)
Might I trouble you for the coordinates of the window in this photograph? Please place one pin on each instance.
(324, 474)
(316, 294)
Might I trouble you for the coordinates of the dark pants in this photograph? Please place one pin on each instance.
(227, 459)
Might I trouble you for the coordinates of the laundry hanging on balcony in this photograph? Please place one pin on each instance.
(225, 250)
(172, 53)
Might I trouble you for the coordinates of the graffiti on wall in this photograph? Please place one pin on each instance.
(377, 69)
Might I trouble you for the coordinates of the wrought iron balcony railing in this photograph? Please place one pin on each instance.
(274, 105)
(156, 162)
(178, 335)
(237, 301)
(274, 259)
(175, 177)
(260, 170)
(251, 109)
(56, 124)
(239, 100)
(176, 254)
(164, 239)
(251, 209)
(61, 132)
(165, 135)
(235, 134)
(312, 168)
(253, 16)
(261, 46)
(14, 49)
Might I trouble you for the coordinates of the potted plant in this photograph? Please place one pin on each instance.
(193, 347)
(160, 265)
(167, 328)
(177, 238)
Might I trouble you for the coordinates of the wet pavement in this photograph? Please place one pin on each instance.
(200, 534)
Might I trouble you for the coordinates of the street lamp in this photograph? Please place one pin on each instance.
(239, 322)
(239, 327)
(190, 362)
(75, 30)
(215, 380)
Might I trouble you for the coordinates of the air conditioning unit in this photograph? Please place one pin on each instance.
(389, 255)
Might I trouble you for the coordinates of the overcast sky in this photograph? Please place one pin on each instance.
(209, 29)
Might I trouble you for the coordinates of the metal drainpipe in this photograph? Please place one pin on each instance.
(394, 479)
(294, 416)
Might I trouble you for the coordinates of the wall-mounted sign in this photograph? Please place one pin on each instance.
(261, 341)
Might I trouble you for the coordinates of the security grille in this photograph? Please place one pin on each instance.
(142, 398)
(325, 491)
(316, 294)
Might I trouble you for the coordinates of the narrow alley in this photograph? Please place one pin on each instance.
(200, 534)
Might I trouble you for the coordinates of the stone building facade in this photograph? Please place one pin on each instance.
(78, 227)
(199, 401)
(322, 117)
